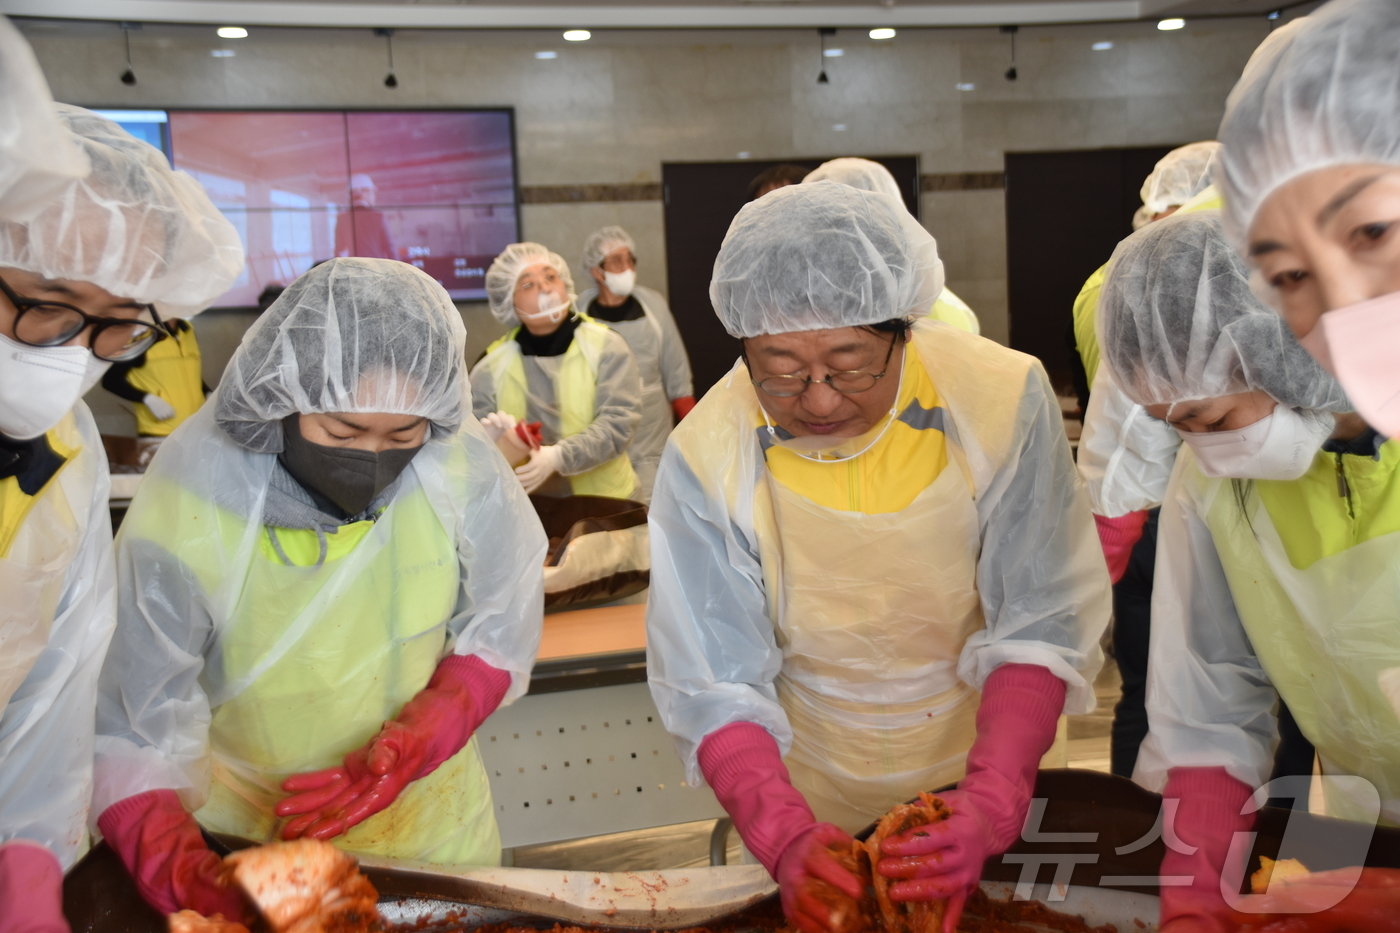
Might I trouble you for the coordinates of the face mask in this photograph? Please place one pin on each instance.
(1356, 344)
(38, 385)
(1280, 446)
(621, 283)
(551, 309)
(349, 478)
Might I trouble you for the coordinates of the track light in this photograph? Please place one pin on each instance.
(129, 76)
(1010, 73)
(821, 39)
(390, 80)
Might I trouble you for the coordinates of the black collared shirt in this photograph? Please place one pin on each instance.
(548, 344)
(630, 310)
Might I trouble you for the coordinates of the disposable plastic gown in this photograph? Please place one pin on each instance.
(1125, 454)
(38, 157)
(350, 335)
(664, 370)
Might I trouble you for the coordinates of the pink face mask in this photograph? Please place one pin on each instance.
(1360, 346)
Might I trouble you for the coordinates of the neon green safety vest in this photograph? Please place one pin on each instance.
(172, 371)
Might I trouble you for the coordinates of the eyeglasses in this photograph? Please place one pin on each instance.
(619, 263)
(847, 382)
(52, 323)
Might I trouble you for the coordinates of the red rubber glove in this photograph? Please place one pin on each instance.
(431, 728)
(1118, 536)
(742, 764)
(31, 889)
(1208, 815)
(532, 433)
(1016, 720)
(680, 407)
(163, 850)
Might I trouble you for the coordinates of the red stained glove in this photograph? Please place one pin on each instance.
(1016, 720)
(163, 850)
(1207, 817)
(680, 407)
(742, 764)
(1118, 536)
(530, 433)
(431, 728)
(31, 889)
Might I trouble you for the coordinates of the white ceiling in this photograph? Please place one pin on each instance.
(526, 14)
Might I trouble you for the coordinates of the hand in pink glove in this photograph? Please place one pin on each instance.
(162, 848)
(431, 728)
(1118, 536)
(1021, 705)
(31, 889)
(742, 764)
(1210, 812)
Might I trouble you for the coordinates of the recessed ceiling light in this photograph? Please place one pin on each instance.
(834, 53)
(884, 32)
(222, 53)
(577, 35)
(232, 32)
(839, 127)
(966, 86)
(744, 155)
(546, 54)
(1167, 25)
(1101, 46)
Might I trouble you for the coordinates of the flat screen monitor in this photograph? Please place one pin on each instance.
(435, 188)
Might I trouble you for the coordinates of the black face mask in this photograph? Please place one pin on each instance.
(349, 478)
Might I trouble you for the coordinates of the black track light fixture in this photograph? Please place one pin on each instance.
(390, 80)
(1011, 74)
(822, 35)
(129, 76)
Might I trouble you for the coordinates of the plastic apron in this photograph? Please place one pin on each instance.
(318, 701)
(1325, 635)
(644, 337)
(39, 538)
(911, 603)
(172, 371)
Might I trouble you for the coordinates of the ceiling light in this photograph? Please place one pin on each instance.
(222, 53)
(1167, 25)
(232, 32)
(966, 86)
(884, 32)
(577, 35)
(839, 127)
(744, 155)
(834, 53)
(1101, 46)
(546, 54)
(1273, 15)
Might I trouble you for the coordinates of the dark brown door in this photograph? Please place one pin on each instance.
(701, 198)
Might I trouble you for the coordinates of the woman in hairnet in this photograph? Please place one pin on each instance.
(873, 569)
(560, 369)
(868, 175)
(1311, 179)
(644, 320)
(328, 580)
(81, 279)
(1277, 556)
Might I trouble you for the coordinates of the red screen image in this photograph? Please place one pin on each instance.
(431, 188)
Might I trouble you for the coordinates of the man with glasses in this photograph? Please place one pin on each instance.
(873, 569)
(83, 284)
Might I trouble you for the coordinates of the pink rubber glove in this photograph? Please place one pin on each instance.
(162, 848)
(1118, 536)
(742, 765)
(31, 889)
(1207, 816)
(431, 728)
(1021, 705)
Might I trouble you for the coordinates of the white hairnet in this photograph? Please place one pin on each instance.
(505, 272)
(133, 226)
(1177, 321)
(1179, 176)
(38, 156)
(1322, 91)
(603, 241)
(858, 173)
(822, 255)
(1142, 217)
(367, 335)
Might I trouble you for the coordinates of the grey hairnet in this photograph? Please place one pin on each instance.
(133, 226)
(351, 335)
(858, 173)
(603, 241)
(822, 255)
(1322, 91)
(1177, 321)
(505, 272)
(1179, 176)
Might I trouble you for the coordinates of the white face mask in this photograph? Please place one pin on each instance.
(621, 283)
(38, 385)
(551, 308)
(1280, 446)
(1356, 344)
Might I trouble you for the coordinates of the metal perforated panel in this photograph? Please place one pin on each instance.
(585, 763)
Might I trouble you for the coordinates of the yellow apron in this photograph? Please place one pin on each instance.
(1325, 634)
(172, 370)
(320, 699)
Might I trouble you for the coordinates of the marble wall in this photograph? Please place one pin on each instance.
(611, 111)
